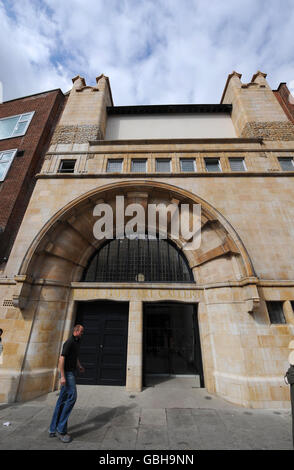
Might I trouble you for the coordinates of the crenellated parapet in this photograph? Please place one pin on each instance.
(84, 116)
(256, 111)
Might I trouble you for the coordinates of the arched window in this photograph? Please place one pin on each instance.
(139, 260)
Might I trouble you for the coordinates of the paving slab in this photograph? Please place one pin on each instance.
(120, 438)
(169, 415)
(152, 437)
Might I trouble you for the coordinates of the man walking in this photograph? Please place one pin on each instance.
(67, 365)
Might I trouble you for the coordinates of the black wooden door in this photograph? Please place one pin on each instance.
(103, 351)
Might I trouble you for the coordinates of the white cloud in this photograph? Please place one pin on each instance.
(154, 51)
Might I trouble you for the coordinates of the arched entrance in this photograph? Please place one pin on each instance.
(50, 284)
(171, 342)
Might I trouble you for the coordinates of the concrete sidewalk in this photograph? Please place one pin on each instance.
(170, 415)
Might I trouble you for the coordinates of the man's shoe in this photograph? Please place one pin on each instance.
(52, 434)
(64, 437)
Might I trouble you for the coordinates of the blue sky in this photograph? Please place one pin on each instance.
(153, 51)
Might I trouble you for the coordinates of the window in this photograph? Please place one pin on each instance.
(67, 166)
(237, 164)
(114, 165)
(286, 163)
(15, 126)
(163, 165)
(6, 159)
(138, 260)
(275, 311)
(212, 164)
(138, 165)
(187, 164)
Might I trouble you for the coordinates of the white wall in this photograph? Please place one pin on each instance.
(175, 126)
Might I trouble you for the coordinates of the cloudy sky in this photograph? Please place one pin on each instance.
(153, 51)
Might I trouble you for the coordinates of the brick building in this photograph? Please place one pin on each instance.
(25, 127)
(286, 100)
(221, 311)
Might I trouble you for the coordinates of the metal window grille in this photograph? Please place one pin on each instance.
(140, 260)
(163, 165)
(67, 166)
(139, 165)
(286, 163)
(275, 311)
(114, 165)
(187, 164)
(212, 164)
(237, 164)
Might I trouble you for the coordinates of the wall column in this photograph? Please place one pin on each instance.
(134, 380)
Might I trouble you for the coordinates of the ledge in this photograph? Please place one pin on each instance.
(135, 285)
(243, 174)
(229, 140)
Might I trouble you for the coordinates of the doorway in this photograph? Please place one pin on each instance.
(103, 351)
(171, 342)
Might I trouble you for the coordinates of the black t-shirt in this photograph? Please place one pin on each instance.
(70, 351)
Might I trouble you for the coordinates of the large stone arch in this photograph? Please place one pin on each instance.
(59, 253)
(68, 236)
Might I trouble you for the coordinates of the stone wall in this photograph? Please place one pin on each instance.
(269, 130)
(76, 134)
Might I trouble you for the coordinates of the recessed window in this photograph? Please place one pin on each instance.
(67, 166)
(138, 260)
(237, 164)
(6, 159)
(275, 311)
(163, 165)
(286, 163)
(15, 126)
(212, 164)
(114, 165)
(187, 165)
(138, 165)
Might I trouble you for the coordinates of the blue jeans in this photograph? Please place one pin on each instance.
(64, 405)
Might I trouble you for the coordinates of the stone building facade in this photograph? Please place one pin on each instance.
(222, 312)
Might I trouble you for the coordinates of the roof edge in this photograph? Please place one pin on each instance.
(34, 94)
(170, 109)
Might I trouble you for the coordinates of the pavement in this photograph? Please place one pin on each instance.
(170, 414)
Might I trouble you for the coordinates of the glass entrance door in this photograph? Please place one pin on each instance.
(171, 340)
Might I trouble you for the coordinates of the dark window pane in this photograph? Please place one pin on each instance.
(139, 260)
(114, 165)
(237, 164)
(212, 164)
(187, 164)
(275, 311)
(67, 166)
(163, 165)
(138, 165)
(286, 163)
